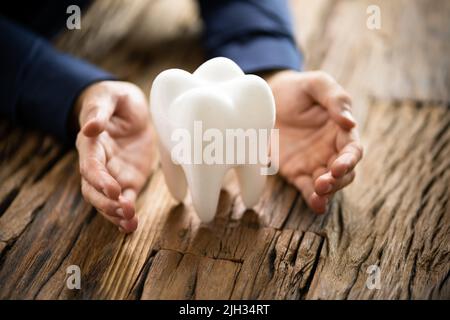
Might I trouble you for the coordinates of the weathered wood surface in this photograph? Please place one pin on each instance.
(395, 215)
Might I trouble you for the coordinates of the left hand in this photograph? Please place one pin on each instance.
(114, 145)
(319, 143)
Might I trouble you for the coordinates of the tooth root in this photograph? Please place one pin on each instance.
(251, 183)
(173, 174)
(204, 183)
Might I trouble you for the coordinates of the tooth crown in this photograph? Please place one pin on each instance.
(222, 97)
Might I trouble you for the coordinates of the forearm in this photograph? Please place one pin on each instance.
(255, 34)
(39, 84)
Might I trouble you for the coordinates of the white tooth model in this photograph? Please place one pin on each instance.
(217, 96)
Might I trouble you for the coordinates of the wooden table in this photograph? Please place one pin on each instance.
(395, 216)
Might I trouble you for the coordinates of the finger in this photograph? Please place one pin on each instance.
(130, 195)
(304, 183)
(327, 184)
(318, 203)
(127, 203)
(325, 90)
(95, 114)
(128, 226)
(318, 172)
(312, 117)
(107, 207)
(349, 156)
(331, 160)
(127, 176)
(345, 163)
(92, 157)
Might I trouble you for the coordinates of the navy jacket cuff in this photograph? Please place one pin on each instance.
(50, 87)
(258, 53)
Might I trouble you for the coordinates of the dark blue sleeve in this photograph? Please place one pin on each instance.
(256, 34)
(39, 84)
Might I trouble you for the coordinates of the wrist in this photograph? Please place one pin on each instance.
(74, 121)
(78, 105)
(270, 75)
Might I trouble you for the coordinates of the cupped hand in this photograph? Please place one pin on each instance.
(114, 146)
(319, 143)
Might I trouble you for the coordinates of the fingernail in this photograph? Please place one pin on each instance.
(329, 188)
(121, 229)
(119, 212)
(122, 224)
(347, 114)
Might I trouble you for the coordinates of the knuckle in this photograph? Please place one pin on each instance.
(319, 74)
(140, 181)
(106, 183)
(359, 148)
(125, 97)
(339, 96)
(322, 76)
(343, 97)
(110, 185)
(83, 168)
(356, 149)
(109, 208)
(78, 140)
(84, 191)
(91, 163)
(88, 169)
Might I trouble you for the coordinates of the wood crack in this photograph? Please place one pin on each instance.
(305, 290)
(138, 285)
(63, 259)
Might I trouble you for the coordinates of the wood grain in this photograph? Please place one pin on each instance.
(395, 215)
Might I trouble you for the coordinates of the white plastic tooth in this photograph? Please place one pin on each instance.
(251, 183)
(173, 174)
(222, 97)
(205, 183)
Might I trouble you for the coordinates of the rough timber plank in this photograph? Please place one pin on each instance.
(174, 275)
(112, 266)
(51, 234)
(279, 266)
(396, 214)
(26, 190)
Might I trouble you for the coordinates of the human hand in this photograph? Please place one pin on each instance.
(319, 143)
(114, 146)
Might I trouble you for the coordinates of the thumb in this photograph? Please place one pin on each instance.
(95, 115)
(331, 96)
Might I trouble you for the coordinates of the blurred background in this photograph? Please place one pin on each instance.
(405, 59)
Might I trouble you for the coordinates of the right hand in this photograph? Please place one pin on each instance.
(319, 142)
